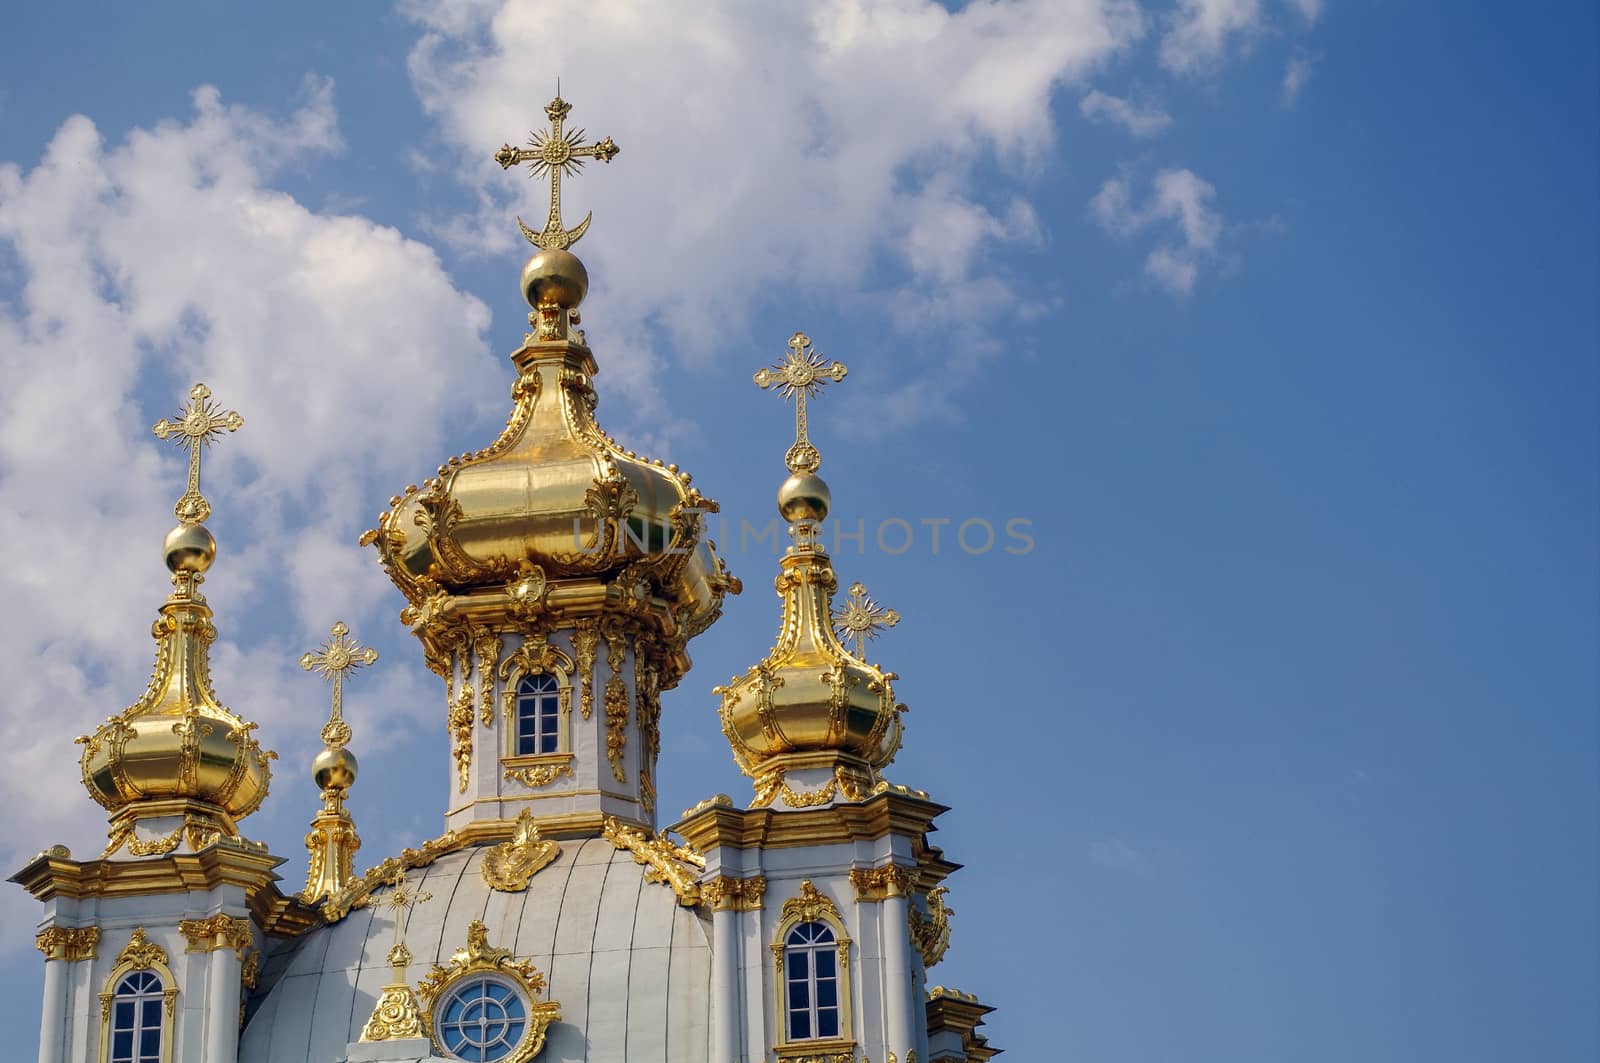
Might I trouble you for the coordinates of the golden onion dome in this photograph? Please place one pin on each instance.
(177, 753)
(555, 499)
(812, 722)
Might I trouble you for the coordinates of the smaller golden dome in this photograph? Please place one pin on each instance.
(334, 769)
(804, 496)
(554, 278)
(189, 548)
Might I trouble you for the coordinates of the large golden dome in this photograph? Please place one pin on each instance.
(555, 510)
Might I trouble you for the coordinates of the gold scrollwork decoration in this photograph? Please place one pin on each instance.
(510, 866)
(535, 776)
(616, 702)
(676, 866)
(481, 957)
(220, 931)
(930, 934)
(726, 894)
(69, 943)
(878, 883)
(156, 846)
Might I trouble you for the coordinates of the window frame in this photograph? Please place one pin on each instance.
(536, 658)
(515, 1047)
(544, 690)
(812, 907)
(140, 955)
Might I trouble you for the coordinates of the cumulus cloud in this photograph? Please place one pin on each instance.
(1183, 201)
(766, 141)
(136, 268)
(1144, 121)
(1196, 34)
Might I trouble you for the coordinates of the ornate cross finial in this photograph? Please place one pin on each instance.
(197, 425)
(860, 618)
(398, 1014)
(800, 375)
(559, 151)
(337, 658)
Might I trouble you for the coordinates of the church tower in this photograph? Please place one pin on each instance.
(553, 580)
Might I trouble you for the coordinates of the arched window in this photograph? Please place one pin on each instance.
(136, 1019)
(538, 715)
(811, 982)
(138, 1004)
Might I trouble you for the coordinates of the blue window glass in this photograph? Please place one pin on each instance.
(482, 1020)
(136, 1015)
(538, 715)
(811, 982)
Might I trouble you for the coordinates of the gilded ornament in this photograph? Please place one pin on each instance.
(726, 894)
(338, 657)
(487, 646)
(800, 374)
(397, 1014)
(930, 934)
(647, 711)
(199, 424)
(861, 618)
(359, 892)
(536, 776)
(809, 906)
(479, 957)
(69, 943)
(676, 866)
(220, 931)
(878, 883)
(556, 152)
(585, 640)
(140, 952)
(156, 846)
(460, 723)
(616, 702)
(510, 866)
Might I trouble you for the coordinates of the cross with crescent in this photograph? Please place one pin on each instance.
(337, 658)
(802, 373)
(198, 424)
(559, 151)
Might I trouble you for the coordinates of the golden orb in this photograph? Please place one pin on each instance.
(804, 496)
(554, 278)
(189, 548)
(334, 769)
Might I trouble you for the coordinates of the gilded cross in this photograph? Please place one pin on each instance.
(559, 151)
(198, 424)
(801, 374)
(337, 658)
(861, 618)
(400, 900)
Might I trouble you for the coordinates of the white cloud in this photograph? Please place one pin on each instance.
(1178, 197)
(1118, 855)
(1309, 9)
(1295, 76)
(761, 142)
(140, 267)
(1197, 33)
(1140, 121)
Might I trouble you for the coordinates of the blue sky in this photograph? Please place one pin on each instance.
(1276, 321)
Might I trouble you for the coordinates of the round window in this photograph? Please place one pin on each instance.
(481, 1020)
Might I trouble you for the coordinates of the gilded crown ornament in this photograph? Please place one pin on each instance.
(556, 152)
(198, 425)
(398, 1014)
(176, 765)
(811, 723)
(332, 841)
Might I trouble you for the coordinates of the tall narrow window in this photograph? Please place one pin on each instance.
(136, 1006)
(811, 981)
(538, 715)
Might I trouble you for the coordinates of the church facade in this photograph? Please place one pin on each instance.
(553, 579)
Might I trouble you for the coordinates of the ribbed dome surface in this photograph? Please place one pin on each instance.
(630, 967)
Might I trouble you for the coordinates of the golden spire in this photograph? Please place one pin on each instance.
(861, 618)
(811, 723)
(177, 761)
(800, 375)
(559, 151)
(398, 1014)
(197, 425)
(332, 841)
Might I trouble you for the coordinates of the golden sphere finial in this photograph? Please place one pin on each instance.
(189, 548)
(554, 278)
(334, 769)
(804, 496)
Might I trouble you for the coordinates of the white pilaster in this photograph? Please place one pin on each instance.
(897, 973)
(222, 1007)
(725, 1046)
(53, 1018)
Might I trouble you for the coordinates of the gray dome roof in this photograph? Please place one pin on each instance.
(630, 966)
